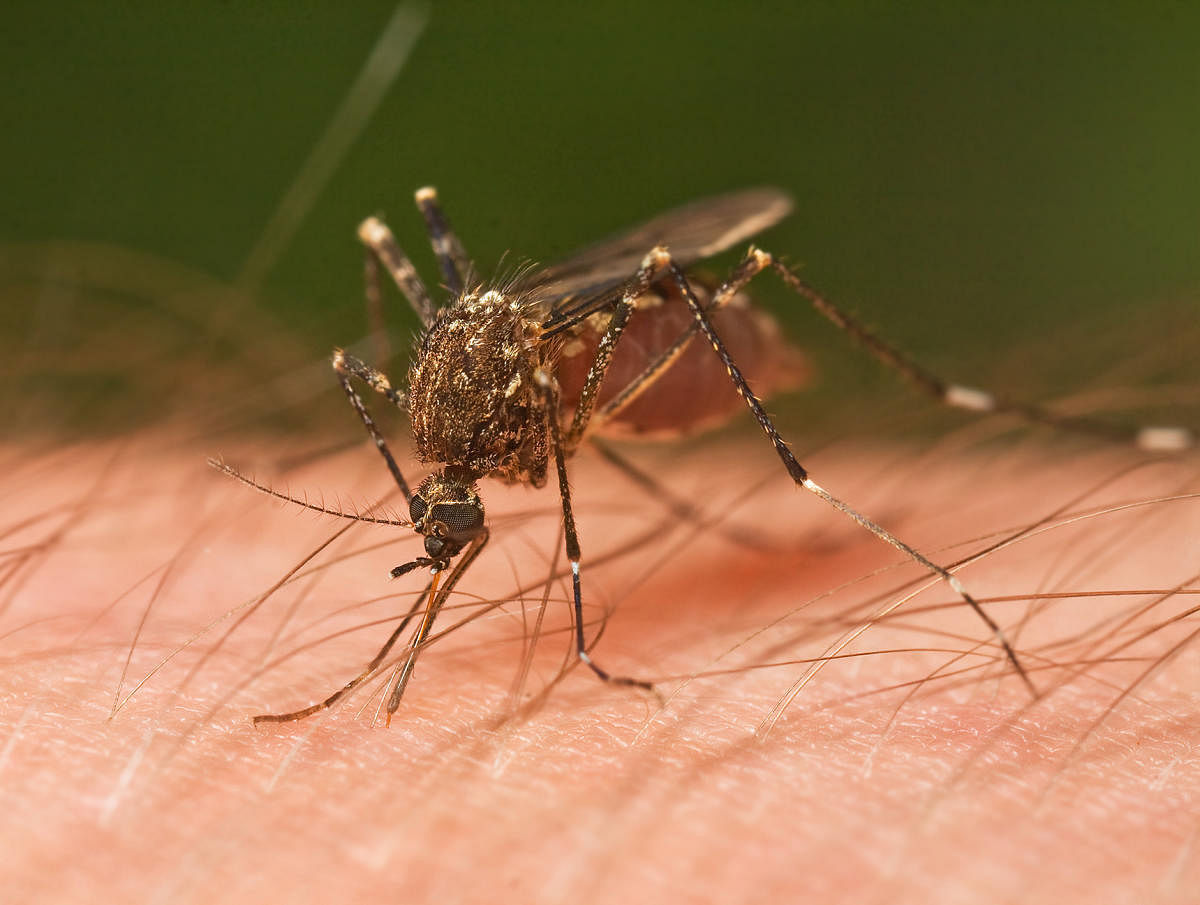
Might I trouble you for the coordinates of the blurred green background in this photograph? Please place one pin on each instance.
(992, 186)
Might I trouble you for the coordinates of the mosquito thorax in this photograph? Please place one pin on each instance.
(447, 510)
(471, 398)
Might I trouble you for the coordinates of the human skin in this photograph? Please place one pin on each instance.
(966, 791)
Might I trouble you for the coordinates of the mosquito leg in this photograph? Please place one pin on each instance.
(379, 240)
(1162, 439)
(743, 274)
(800, 475)
(550, 393)
(647, 273)
(346, 367)
(585, 414)
(439, 597)
(357, 680)
(595, 374)
(456, 266)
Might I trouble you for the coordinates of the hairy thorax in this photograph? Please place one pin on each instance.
(472, 395)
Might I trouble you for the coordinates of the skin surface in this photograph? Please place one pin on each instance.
(966, 791)
(912, 156)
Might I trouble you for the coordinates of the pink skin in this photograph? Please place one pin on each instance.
(967, 792)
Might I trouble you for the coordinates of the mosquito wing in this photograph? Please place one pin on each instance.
(593, 278)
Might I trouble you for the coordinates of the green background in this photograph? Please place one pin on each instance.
(983, 183)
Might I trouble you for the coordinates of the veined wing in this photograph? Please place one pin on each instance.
(594, 278)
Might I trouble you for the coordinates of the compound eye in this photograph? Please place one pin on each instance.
(462, 520)
(417, 508)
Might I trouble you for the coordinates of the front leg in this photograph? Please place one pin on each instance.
(347, 366)
(549, 388)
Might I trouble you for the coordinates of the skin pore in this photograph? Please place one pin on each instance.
(866, 788)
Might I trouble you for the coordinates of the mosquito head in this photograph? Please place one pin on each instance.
(447, 510)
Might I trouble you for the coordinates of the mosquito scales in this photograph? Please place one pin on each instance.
(510, 378)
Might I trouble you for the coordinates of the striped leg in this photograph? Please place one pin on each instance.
(798, 472)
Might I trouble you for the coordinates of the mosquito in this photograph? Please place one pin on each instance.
(509, 380)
